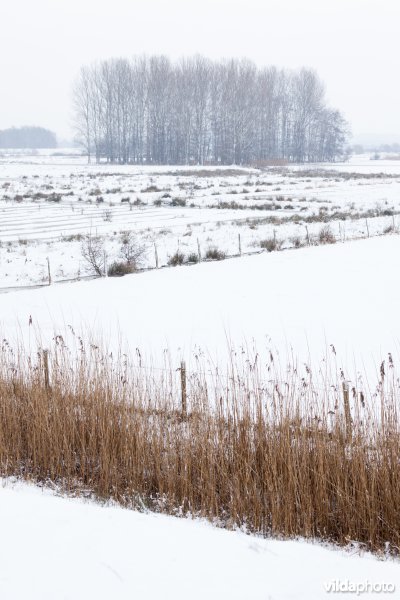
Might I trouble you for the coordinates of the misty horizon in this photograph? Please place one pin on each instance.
(352, 47)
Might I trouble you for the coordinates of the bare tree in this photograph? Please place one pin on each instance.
(93, 254)
(131, 251)
(82, 101)
(150, 110)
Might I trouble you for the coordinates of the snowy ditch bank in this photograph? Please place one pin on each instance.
(57, 548)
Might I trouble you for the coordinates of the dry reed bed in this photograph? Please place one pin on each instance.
(278, 458)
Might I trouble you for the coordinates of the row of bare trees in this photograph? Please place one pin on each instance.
(197, 111)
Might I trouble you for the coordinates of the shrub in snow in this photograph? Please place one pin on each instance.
(326, 236)
(296, 241)
(193, 258)
(54, 198)
(151, 188)
(92, 251)
(178, 202)
(215, 253)
(271, 244)
(131, 251)
(118, 269)
(176, 259)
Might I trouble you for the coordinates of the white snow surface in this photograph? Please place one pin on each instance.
(297, 301)
(48, 202)
(55, 548)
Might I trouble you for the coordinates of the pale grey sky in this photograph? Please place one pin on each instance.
(353, 44)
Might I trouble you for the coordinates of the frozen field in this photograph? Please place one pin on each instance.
(47, 203)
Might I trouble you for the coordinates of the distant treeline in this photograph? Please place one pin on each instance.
(27, 138)
(197, 111)
(360, 149)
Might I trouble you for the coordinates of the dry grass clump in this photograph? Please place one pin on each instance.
(271, 244)
(214, 253)
(120, 268)
(176, 259)
(275, 456)
(326, 236)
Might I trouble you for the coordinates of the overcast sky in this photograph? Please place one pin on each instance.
(353, 44)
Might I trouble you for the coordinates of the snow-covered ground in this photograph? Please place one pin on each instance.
(55, 548)
(48, 202)
(301, 303)
(298, 302)
(387, 162)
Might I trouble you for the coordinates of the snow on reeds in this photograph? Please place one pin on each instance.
(267, 451)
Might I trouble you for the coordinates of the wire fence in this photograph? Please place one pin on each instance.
(189, 390)
(270, 245)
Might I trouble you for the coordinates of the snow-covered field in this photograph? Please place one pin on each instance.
(301, 303)
(47, 203)
(298, 303)
(56, 548)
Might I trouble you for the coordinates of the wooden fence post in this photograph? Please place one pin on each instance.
(366, 223)
(156, 254)
(308, 236)
(347, 413)
(48, 270)
(183, 389)
(198, 250)
(46, 369)
(240, 246)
